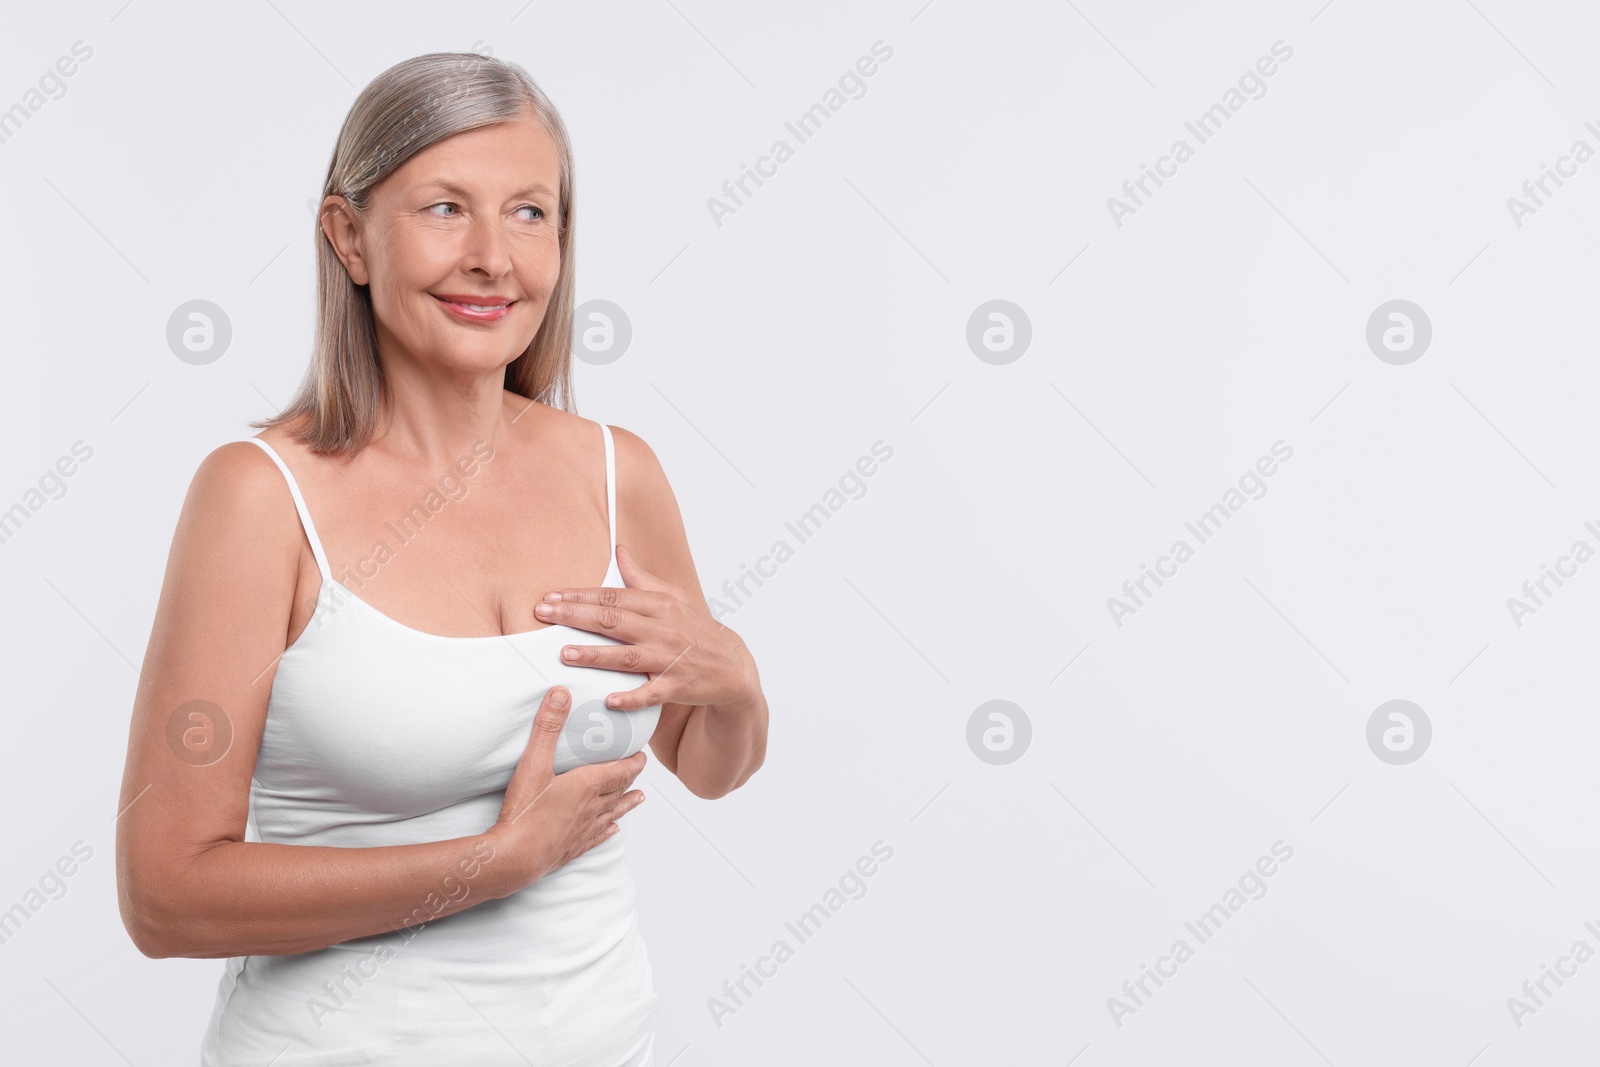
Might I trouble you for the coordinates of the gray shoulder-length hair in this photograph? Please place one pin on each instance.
(407, 108)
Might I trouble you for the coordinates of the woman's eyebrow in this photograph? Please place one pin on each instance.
(455, 190)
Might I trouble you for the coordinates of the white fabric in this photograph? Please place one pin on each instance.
(380, 734)
(646, 1056)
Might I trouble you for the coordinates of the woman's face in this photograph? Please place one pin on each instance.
(473, 219)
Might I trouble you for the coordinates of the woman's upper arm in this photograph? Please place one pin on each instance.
(656, 537)
(219, 629)
(647, 506)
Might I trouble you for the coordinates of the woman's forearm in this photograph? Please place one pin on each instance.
(722, 747)
(244, 898)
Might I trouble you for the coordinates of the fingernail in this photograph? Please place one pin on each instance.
(558, 698)
(552, 596)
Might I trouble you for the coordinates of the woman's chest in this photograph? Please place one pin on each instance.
(377, 724)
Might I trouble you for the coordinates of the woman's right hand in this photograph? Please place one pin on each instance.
(549, 819)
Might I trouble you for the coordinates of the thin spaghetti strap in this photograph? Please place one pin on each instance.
(299, 506)
(611, 489)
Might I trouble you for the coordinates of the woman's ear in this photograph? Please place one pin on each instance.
(340, 227)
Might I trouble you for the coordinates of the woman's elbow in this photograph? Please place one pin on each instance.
(708, 789)
(146, 928)
(154, 919)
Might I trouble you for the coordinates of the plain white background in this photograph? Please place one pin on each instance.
(830, 311)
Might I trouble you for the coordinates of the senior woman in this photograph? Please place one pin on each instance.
(380, 635)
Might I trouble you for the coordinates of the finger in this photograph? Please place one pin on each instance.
(630, 659)
(627, 769)
(652, 693)
(610, 789)
(609, 611)
(640, 601)
(623, 805)
(548, 722)
(612, 777)
(539, 755)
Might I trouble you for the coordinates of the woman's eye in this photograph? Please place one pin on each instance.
(538, 213)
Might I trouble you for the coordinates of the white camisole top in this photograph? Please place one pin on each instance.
(379, 734)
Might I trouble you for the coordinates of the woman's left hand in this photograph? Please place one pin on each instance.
(688, 656)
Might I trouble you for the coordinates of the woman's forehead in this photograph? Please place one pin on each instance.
(504, 159)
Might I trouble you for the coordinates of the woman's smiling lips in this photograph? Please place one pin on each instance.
(475, 308)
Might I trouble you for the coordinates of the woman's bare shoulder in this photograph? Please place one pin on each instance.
(641, 481)
(283, 438)
(576, 435)
(640, 475)
(238, 493)
(648, 508)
